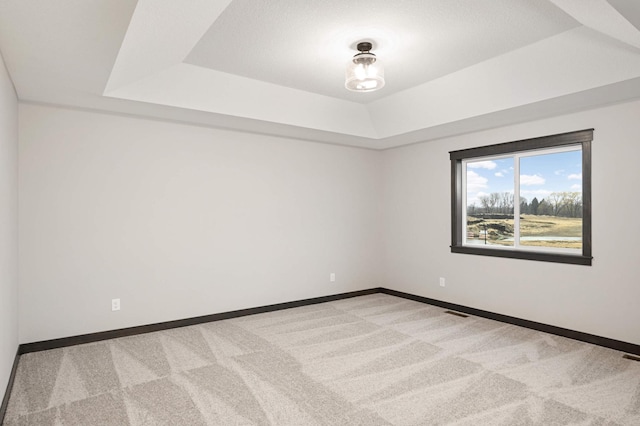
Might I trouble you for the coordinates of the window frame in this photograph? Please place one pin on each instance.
(581, 137)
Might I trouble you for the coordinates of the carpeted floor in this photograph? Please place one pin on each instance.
(370, 360)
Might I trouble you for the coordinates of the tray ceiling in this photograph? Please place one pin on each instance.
(278, 67)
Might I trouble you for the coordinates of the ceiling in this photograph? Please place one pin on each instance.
(277, 67)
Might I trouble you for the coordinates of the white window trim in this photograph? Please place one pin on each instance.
(535, 146)
(516, 156)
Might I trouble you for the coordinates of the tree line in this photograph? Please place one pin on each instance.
(564, 204)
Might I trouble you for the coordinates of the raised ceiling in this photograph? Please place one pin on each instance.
(277, 67)
(427, 41)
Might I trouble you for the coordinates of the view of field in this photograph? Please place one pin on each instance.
(535, 230)
(543, 187)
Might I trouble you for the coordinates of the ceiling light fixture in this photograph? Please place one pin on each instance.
(364, 72)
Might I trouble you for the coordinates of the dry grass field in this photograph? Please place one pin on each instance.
(500, 230)
(531, 225)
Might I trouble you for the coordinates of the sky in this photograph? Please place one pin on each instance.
(540, 175)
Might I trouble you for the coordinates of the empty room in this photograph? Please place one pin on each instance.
(330, 212)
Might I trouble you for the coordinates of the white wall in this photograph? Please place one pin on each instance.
(180, 221)
(601, 299)
(8, 226)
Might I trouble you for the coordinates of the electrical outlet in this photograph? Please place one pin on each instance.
(115, 304)
(441, 281)
(332, 277)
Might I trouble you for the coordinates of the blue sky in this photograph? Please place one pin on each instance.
(540, 175)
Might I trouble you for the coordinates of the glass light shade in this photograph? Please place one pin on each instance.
(364, 73)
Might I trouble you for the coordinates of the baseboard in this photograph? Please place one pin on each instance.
(7, 393)
(131, 331)
(559, 331)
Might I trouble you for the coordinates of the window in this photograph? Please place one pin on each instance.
(529, 199)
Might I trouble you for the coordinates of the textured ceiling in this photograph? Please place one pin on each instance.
(307, 44)
(277, 67)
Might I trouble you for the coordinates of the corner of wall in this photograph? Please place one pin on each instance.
(8, 224)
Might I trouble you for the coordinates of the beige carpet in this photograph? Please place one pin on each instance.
(370, 360)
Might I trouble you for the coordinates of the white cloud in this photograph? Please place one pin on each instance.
(531, 180)
(475, 182)
(576, 187)
(499, 174)
(559, 172)
(489, 165)
(576, 176)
